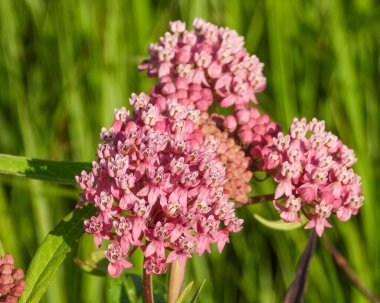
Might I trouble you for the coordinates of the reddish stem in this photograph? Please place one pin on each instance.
(148, 288)
(259, 199)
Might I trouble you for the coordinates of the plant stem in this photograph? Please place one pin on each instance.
(148, 287)
(177, 275)
(297, 288)
(259, 199)
(342, 262)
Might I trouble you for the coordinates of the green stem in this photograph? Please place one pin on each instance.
(177, 275)
(148, 287)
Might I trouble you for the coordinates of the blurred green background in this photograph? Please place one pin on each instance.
(65, 65)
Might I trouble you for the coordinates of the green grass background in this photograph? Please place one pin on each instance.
(65, 65)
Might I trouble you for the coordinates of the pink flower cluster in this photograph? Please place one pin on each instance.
(157, 186)
(314, 175)
(11, 280)
(209, 62)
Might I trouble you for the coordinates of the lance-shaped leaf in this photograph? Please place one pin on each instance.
(58, 171)
(185, 293)
(52, 252)
(1, 249)
(196, 295)
(297, 288)
(277, 224)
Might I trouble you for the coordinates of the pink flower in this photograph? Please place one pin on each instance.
(115, 256)
(314, 169)
(154, 185)
(210, 57)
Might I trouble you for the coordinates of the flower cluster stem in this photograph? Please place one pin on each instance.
(148, 287)
(259, 199)
(296, 290)
(177, 275)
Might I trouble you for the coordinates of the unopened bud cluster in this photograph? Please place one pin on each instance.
(231, 155)
(12, 281)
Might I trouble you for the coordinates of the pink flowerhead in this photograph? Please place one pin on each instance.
(211, 58)
(157, 185)
(314, 175)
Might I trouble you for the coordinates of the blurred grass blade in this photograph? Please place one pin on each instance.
(195, 298)
(277, 224)
(113, 289)
(184, 294)
(58, 171)
(1, 249)
(52, 252)
(296, 290)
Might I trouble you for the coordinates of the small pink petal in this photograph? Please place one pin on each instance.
(114, 270)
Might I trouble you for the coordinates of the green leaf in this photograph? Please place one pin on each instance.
(113, 289)
(52, 252)
(277, 224)
(195, 298)
(133, 287)
(1, 249)
(185, 293)
(58, 171)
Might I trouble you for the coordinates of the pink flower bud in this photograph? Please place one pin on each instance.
(184, 55)
(242, 116)
(214, 70)
(181, 83)
(245, 136)
(230, 123)
(202, 105)
(168, 88)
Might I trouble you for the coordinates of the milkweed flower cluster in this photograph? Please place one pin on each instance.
(314, 175)
(210, 61)
(164, 175)
(12, 281)
(157, 188)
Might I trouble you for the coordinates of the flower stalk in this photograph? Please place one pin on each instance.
(148, 287)
(177, 275)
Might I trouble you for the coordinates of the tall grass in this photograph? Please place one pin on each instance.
(64, 66)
